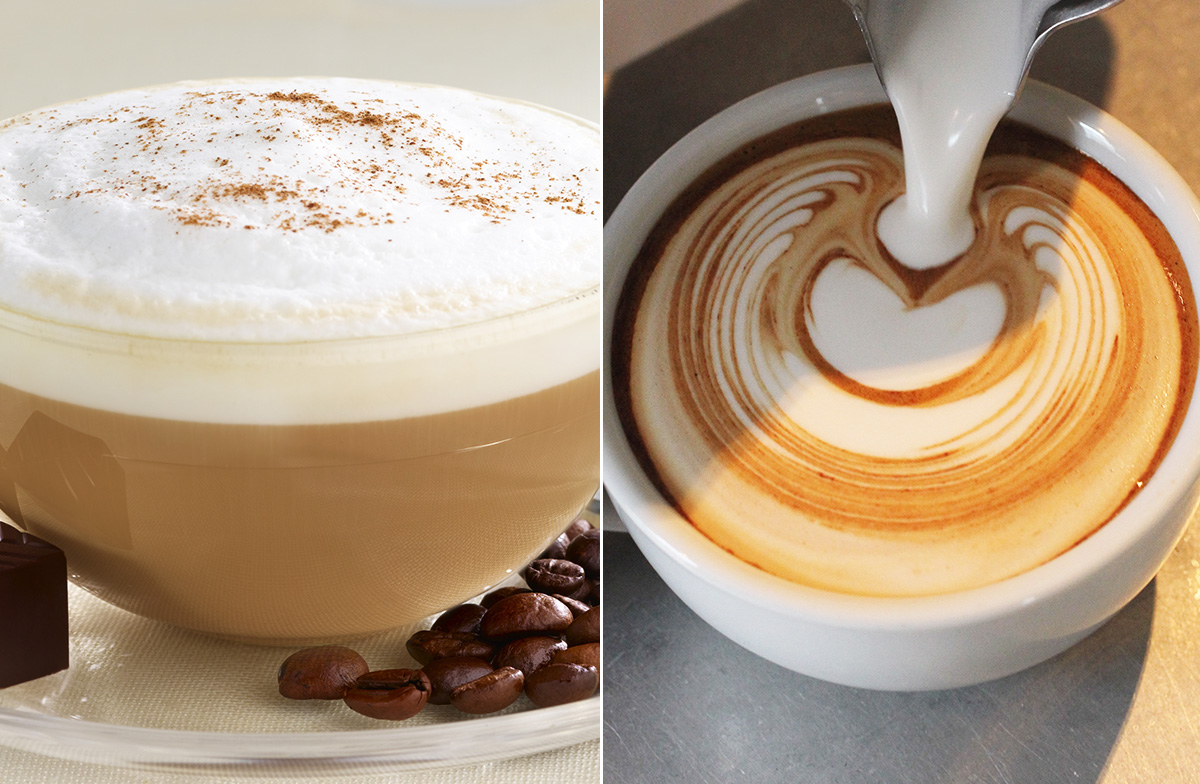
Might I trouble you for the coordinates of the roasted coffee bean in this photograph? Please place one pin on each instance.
(585, 628)
(553, 575)
(322, 673)
(587, 654)
(529, 654)
(464, 618)
(390, 694)
(578, 607)
(432, 644)
(593, 591)
(582, 592)
(557, 684)
(492, 692)
(585, 551)
(588, 592)
(446, 675)
(557, 548)
(525, 614)
(577, 527)
(501, 593)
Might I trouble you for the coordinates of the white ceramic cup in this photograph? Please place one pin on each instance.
(907, 644)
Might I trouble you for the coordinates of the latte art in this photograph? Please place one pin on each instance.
(843, 421)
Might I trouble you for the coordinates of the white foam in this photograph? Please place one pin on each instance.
(227, 211)
(866, 331)
(411, 250)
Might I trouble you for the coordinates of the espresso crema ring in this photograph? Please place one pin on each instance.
(841, 421)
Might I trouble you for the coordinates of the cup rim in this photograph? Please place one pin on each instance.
(650, 515)
(545, 317)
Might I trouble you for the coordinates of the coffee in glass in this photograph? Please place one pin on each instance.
(297, 359)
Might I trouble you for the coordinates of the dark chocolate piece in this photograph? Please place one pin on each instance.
(33, 607)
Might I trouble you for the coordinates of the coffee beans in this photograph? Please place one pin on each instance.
(553, 575)
(429, 645)
(322, 673)
(481, 657)
(576, 529)
(501, 593)
(390, 694)
(588, 592)
(448, 674)
(557, 684)
(464, 618)
(588, 655)
(585, 628)
(578, 607)
(524, 614)
(529, 654)
(492, 692)
(585, 551)
(557, 548)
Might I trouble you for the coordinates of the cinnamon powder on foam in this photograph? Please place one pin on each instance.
(378, 167)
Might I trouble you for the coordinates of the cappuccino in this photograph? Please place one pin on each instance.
(848, 422)
(273, 353)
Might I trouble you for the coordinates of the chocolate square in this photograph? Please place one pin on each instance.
(33, 607)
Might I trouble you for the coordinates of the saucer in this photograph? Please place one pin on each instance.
(142, 694)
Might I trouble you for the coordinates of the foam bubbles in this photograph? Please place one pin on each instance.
(294, 209)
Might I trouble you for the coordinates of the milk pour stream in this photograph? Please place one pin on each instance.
(951, 69)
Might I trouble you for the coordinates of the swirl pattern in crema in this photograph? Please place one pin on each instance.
(836, 419)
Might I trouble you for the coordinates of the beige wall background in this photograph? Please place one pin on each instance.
(545, 51)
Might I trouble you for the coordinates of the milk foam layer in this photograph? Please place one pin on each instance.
(299, 209)
(297, 251)
(845, 422)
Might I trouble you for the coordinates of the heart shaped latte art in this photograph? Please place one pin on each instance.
(874, 336)
(842, 421)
